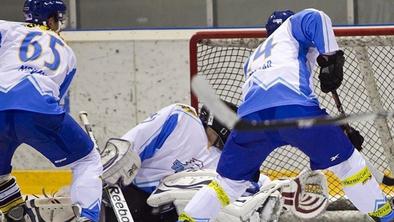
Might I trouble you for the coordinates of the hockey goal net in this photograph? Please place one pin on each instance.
(367, 87)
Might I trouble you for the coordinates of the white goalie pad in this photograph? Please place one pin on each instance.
(120, 162)
(179, 188)
(307, 195)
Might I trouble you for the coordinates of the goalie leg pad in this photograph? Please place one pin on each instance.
(11, 201)
(307, 195)
(120, 162)
(180, 187)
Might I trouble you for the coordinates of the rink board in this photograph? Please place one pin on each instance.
(34, 181)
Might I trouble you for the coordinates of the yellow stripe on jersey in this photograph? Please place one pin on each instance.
(361, 176)
(221, 194)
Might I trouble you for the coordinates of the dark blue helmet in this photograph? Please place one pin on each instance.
(208, 120)
(276, 19)
(38, 11)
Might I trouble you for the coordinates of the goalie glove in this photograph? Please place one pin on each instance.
(120, 162)
(331, 71)
(307, 195)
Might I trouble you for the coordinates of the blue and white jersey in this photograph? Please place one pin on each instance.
(169, 141)
(36, 68)
(279, 71)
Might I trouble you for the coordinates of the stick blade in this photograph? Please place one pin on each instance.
(208, 97)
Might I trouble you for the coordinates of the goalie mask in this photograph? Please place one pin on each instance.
(276, 19)
(208, 120)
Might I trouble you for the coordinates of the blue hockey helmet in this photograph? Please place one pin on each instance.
(38, 11)
(276, 19)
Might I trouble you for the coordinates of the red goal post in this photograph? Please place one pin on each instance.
(368, 86)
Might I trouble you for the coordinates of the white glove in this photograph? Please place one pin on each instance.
(120, 163)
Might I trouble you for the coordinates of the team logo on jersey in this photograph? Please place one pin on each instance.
(178, 166)
(132, 171)
(333, 158)
(61, 160)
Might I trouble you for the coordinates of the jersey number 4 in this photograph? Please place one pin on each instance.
(37, 49)
(264, 50)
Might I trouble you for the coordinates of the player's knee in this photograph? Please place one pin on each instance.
(353, 166)
(232, 188)
(11, 200)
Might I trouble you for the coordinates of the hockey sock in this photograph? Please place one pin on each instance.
(207, 202)
(86, 188)
(384, 213)
(10, 198)
(357, 181)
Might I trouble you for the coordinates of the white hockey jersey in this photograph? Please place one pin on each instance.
(36, 68)
(279, 71)
(169, 141)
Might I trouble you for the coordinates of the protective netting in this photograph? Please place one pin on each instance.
(367, 87)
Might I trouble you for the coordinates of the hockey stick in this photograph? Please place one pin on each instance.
(116, 197)
(379, 176)
(207, 96)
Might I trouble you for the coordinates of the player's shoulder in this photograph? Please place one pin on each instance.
(11, 24)
(308, 12)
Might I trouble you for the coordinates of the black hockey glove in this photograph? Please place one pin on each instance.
(331, 71)
(355, 137)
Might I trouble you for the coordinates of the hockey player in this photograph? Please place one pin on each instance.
(36, 69)
(169, 141)
(278, 86)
